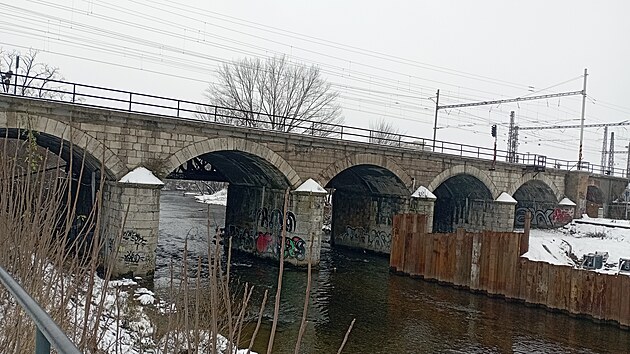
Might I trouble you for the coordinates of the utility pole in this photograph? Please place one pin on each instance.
(493, 132)
(579, 166)
(628, 162)
(604, 151)
(437, 107)
(611, 153)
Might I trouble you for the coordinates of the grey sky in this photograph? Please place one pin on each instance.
(451, 45)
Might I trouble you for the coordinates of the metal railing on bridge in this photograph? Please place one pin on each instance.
(47, 331)
(121, 100)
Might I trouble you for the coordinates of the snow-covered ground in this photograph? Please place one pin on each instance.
(218, 198)
(567, 245)
(125, 326)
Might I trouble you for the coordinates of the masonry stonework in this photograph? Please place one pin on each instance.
(129, 225)
(120, 141)
(365, 222)
(254, 221)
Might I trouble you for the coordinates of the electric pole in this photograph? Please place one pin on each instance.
(437, 107)
(579, 166)
(604, 151)
(493, 132)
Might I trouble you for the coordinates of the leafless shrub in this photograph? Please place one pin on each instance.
(273, 94)
(384, 133)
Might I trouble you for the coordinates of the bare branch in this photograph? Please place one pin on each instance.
(33, 78)
(384, 133)
(285, 96)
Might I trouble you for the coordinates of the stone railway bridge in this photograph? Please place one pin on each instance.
(367, 183)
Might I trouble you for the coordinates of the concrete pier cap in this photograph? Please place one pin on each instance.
(423, 202)
(307, 202)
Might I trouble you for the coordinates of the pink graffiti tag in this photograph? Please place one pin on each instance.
(562, 216)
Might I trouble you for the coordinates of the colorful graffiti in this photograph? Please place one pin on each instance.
(544, 218)
(295, 247)
(562, 216)
(267, 238)
(265, 243)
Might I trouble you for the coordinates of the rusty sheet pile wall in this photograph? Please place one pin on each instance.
(490, 262)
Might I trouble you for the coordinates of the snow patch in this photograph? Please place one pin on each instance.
(311, 186)
(506, 198)
(567, 245)
(423, 193)
(566, 202)
(141, 175)
(218, 198)
(145, 296)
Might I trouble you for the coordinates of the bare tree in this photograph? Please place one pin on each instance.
(274, 94)
(33, 78)
(384, 133)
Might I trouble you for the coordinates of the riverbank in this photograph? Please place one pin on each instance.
(567, 245)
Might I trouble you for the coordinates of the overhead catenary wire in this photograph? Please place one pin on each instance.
(372, 80)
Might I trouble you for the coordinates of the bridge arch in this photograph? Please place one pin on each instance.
(96, 152)
(334, 169)
(468, 170)
(529, 177)
(232, 144)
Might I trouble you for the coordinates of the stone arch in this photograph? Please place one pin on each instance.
(535, 177)
(464, 169)
(114, 167)
(334, 169)
(229, 143)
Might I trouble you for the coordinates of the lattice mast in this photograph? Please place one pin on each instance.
(604, 151)
(512, 140)
(611, 152)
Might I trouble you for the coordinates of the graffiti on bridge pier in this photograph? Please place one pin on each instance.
(267, 238)
(295, 247)
(242, 238)
(374, 239)
(135, 258)
(132, 237)
(273, 220)
(544, 217)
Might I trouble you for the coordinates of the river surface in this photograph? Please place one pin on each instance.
(394, 314)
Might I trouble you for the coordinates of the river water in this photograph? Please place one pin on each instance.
(394, 314)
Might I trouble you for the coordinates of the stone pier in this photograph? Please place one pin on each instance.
(254, 220)
(364, 221)
(130, 219)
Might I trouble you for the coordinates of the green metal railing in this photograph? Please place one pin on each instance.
(48, 332)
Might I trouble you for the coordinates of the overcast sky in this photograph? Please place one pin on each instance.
(387, 59)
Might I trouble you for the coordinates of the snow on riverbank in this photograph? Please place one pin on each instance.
(218, 198)
(125, 326)
(567, 245)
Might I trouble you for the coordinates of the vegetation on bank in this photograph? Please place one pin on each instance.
(54, 254)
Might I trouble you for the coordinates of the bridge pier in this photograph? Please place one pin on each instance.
(365, 221)
(576, 187)
(254, 221)
(130, 219)
(423, 202)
